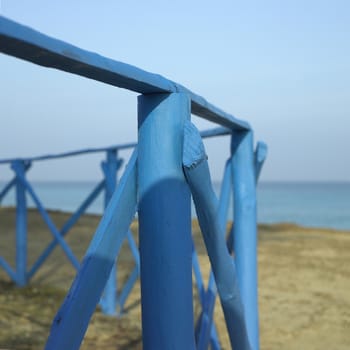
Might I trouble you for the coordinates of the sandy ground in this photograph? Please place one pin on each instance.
(304, 289)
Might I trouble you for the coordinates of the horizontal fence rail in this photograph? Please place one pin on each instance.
(221, 131)
(23, 42)
(167, 167)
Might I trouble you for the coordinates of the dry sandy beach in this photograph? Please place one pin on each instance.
(304, 289)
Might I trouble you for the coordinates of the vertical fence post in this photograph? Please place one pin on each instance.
(245, 237)
(19, 167)
(109, 297)
(165, 224)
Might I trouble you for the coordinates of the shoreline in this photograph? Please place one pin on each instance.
(283, 225)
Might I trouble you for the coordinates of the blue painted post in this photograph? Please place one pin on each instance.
(197, 173)
(259, 158)
(19, 167)
(209, 306)
(245, 237)
(165, 224)
(109, 298)
(225, 194)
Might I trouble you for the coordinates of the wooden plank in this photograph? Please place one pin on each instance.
(71, 153)
(25, 43)
(21, 224)
(164, 224)
(110, 168)
(71, 321)
(66, 228)
(197, 173)
(245, 229)
(220, 131)
(28, 44)
(206, 110)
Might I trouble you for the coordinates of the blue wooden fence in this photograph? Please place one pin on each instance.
(111, 303)
(22, 273)
(168, 165)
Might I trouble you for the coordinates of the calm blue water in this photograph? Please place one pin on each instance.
(307, 204)
(315, 204)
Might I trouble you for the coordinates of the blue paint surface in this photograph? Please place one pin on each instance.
(209, 304)
(260, 155)
(66, 228)
(164, 224)
(50, 224)
(110, 167)
(21, 224)
(198, 178)
(26, 43)
(71, 321)
(245, 229)
(7, 188)
(213, 132)
(199, 331)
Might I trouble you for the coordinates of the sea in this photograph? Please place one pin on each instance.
(324, 205)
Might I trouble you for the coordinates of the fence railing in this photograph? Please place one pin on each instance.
(168, 165)
(22, 272)
(111, 302)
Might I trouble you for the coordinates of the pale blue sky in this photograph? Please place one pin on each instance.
(284, 66)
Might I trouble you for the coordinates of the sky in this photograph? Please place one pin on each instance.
(283, 66)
